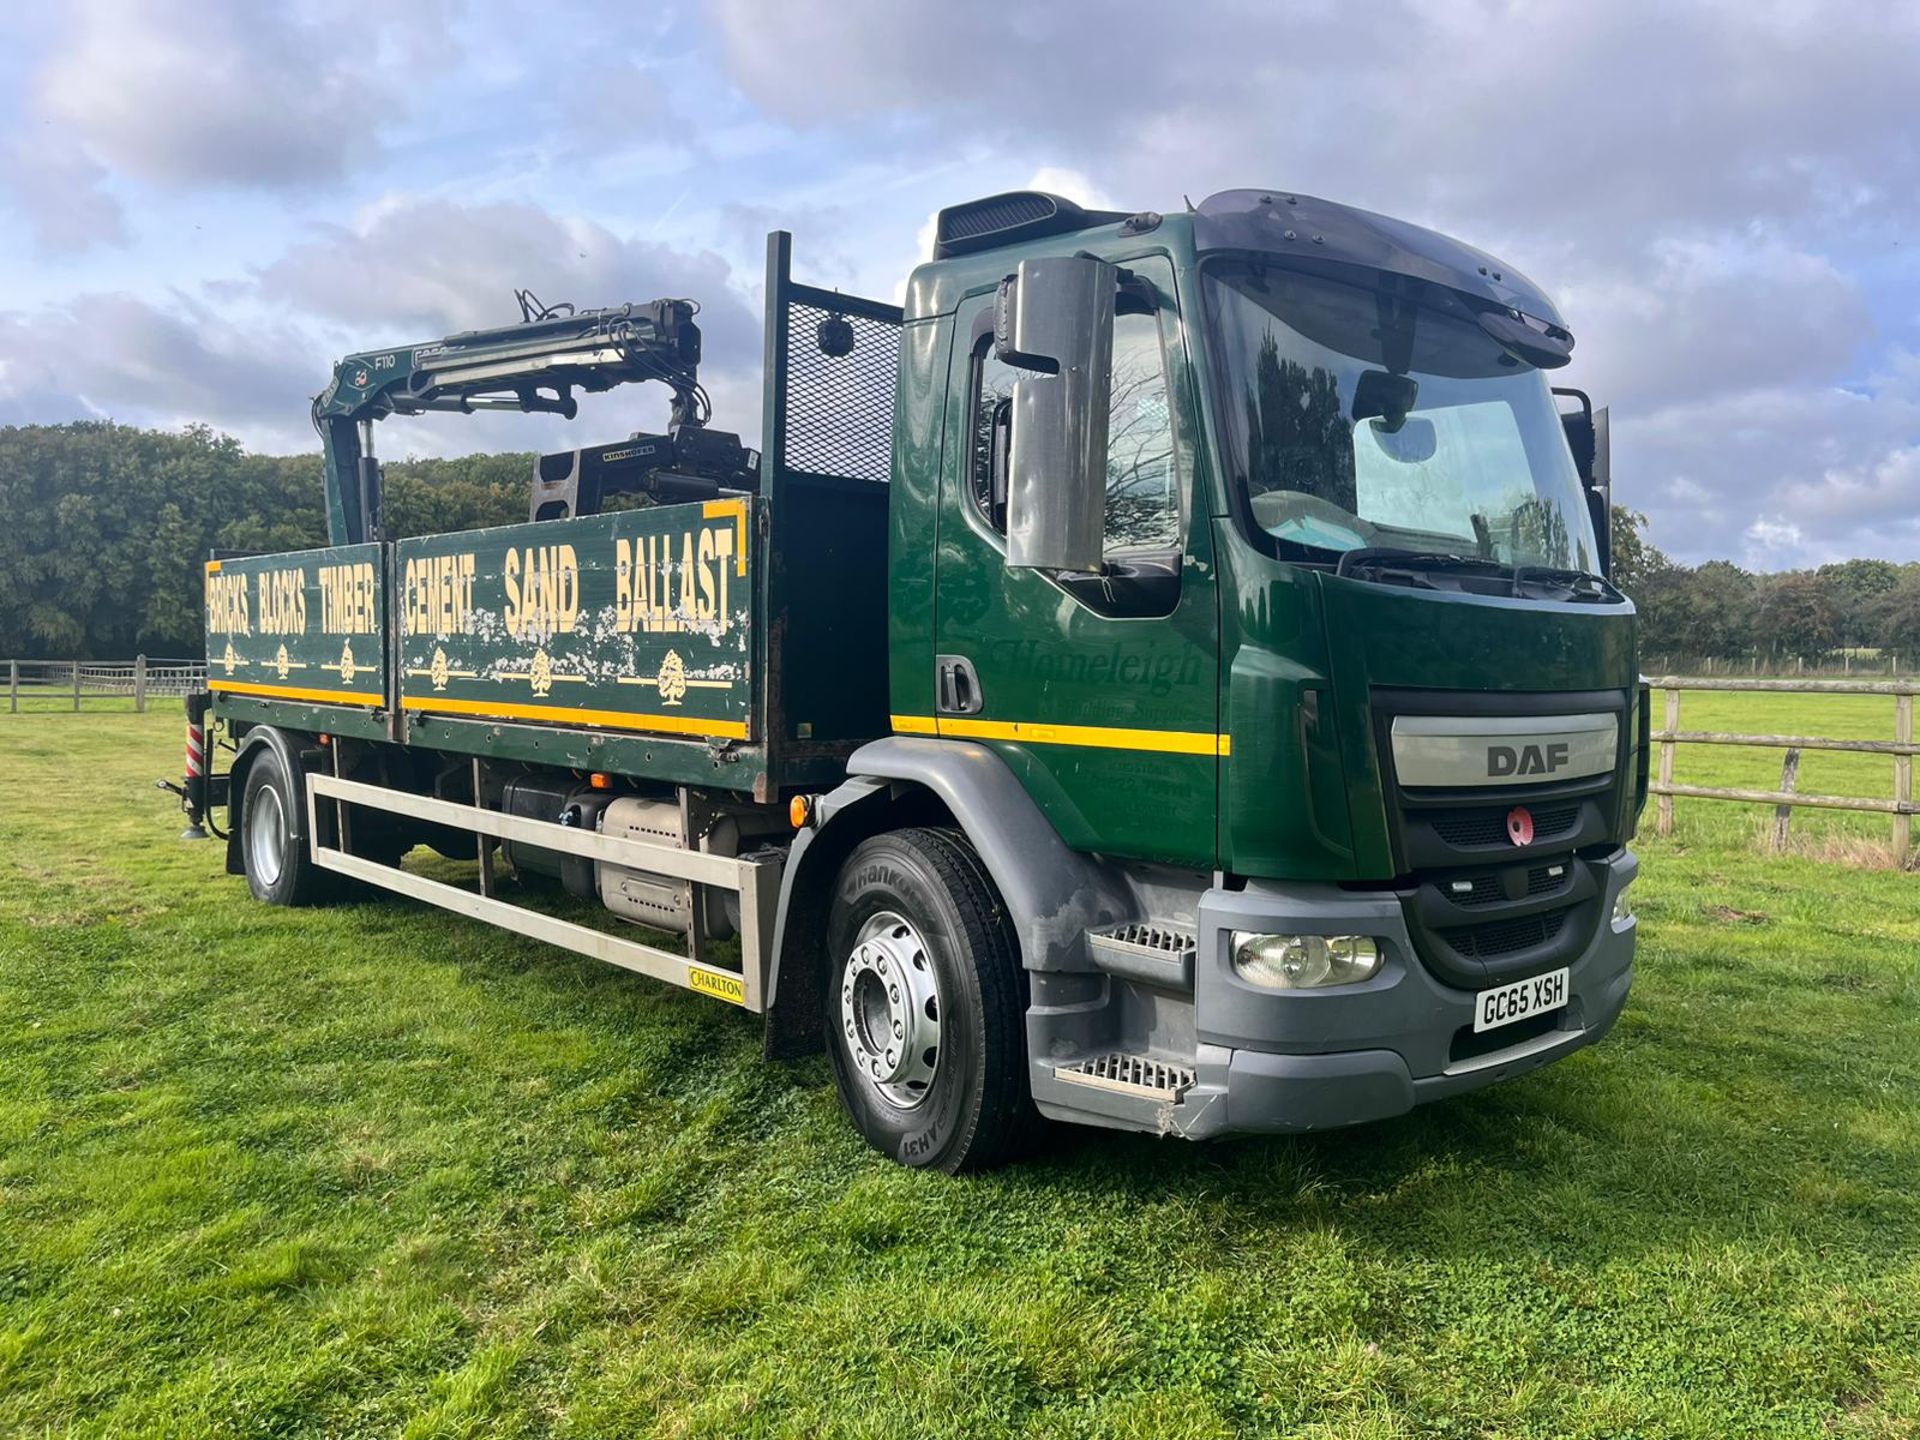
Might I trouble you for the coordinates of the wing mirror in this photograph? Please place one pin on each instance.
(1054, 318)
(1590, 439)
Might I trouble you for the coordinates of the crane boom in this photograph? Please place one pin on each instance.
(533, 366)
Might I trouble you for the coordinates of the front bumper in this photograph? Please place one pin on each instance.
(1291, 1060)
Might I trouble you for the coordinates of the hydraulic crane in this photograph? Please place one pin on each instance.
(535, 366)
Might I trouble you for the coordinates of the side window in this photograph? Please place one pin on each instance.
(1143, 490)
(1143, 496)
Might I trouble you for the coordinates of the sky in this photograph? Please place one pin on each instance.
(204, 202)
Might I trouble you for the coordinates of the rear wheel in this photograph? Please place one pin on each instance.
(278, 870)
(926, 1004)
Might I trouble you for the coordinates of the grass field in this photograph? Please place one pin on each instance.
(372, 1171)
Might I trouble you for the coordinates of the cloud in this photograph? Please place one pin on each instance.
(1698, 317)
(121, 357)
(190, 94)
(1708, 189)
(1769, 538)
(1823, 472)
(1614, 114)
(418, 267)
(422, 266)
(1721, 195)
(61, 192)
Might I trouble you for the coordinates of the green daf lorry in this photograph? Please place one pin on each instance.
(1163, 675)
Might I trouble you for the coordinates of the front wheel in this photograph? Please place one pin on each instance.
(926, 1004)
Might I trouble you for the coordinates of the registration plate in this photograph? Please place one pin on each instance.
(1519, 1000)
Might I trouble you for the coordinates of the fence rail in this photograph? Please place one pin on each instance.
(1901, 749)
(77, 681)
(1840, 664)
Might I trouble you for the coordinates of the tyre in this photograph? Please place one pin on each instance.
(925, 1004)
(276, 863)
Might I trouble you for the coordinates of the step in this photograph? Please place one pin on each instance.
(1143, 950)
(1124, 1073)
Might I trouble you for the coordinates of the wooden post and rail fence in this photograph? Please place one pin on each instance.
(1900, 749)
(69, 684)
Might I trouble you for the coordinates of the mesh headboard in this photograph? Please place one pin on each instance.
(832, 364)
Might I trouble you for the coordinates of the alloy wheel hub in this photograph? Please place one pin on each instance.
(890, 1010)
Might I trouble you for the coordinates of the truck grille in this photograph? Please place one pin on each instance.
(1471, 829)
(1476, 890)
(1480, 909)
(1505, 937)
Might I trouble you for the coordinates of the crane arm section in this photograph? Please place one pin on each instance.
(534, 366)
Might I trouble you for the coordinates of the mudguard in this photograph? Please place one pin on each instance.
(1053, 894)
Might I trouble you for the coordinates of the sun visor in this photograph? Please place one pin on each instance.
(1321, 235)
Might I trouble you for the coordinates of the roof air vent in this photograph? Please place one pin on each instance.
(1002, 219)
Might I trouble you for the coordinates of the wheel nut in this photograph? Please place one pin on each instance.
(893, 1057)
(899, 1030)
(893, 993)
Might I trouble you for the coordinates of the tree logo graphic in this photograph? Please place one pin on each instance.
(672, 679)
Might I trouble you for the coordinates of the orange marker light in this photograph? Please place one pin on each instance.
(800, 811)
(599, 780)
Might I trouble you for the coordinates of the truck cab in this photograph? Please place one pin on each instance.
(1334, 691)
(1163, 675)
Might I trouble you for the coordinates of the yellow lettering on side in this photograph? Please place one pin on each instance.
(512, 581)
(723, 551)
(623, 585)
(706, 575)
(683, 603)
(567, 588)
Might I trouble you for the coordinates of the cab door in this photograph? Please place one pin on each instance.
(1100, 691)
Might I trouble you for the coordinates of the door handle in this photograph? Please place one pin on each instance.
(956, 685)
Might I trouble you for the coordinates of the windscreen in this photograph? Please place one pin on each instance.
(1361, 418)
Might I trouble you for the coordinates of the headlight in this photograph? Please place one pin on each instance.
(1299, 962)
(1622, 906)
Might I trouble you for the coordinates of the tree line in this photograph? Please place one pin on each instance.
(1721, 611)
(107, 526)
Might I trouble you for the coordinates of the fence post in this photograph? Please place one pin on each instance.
(139, 684)
(1783, 814)
(1665, 823)
(13, 686)
(1902, 780)
(76, 685)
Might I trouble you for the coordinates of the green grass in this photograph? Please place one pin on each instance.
(373, 1171)
(42, 701)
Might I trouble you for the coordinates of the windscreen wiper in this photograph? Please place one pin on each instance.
(1384, 556)
(1582, 584)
